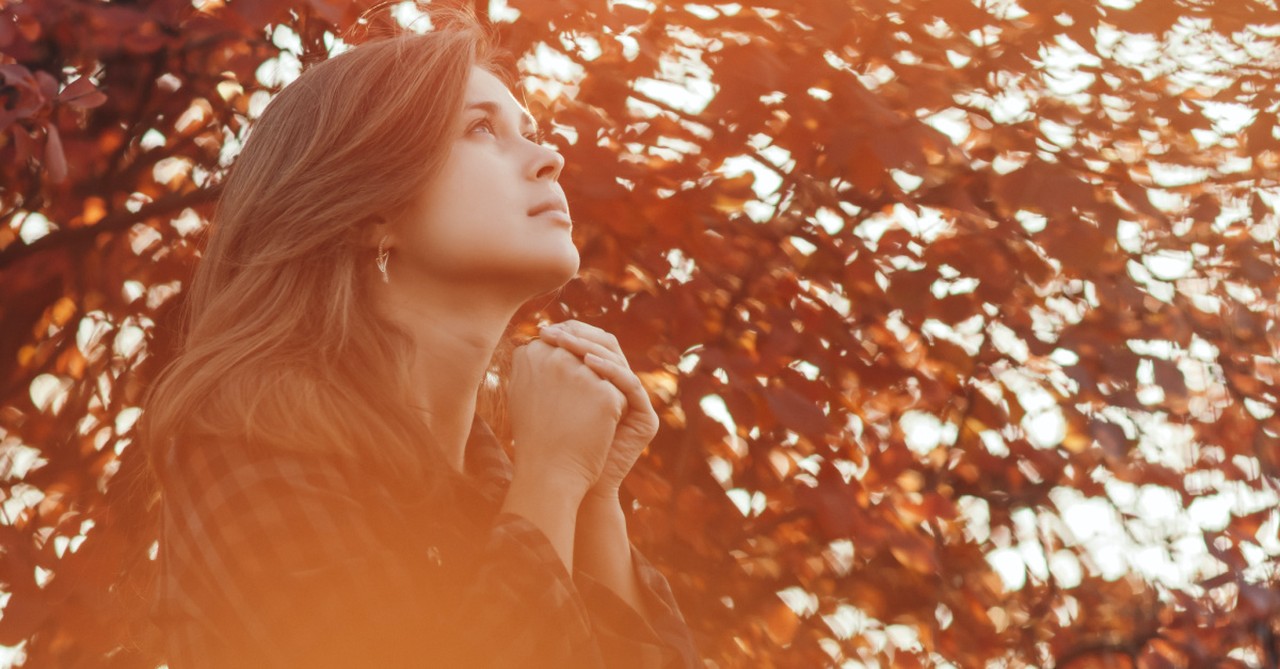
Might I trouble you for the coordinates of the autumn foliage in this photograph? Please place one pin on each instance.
(961, 317)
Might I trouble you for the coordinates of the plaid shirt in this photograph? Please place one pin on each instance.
(284, 560)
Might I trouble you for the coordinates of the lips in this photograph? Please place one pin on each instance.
(550, 205)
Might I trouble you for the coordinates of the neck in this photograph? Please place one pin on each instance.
(453, 344)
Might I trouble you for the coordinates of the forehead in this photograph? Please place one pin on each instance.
(484, 87)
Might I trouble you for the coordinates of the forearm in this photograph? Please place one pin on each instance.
(552, 508)
(603, 550)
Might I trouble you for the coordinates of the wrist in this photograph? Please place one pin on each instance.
(598, 495)
(551, 482)
(599, 508)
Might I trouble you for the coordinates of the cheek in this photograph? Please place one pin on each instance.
(470, 199)
(481, 177)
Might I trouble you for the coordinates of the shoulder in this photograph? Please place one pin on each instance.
(208, 464)
(233, 493)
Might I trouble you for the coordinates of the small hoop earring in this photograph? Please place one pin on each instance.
(383, 255)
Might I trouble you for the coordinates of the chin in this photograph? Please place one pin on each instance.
(568, 270)
(553, 273)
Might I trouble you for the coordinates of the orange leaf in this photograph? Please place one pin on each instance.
(781, 623)
(55, 161)
(82, 94)
(914, 553)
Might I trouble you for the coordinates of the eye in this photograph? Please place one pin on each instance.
(484, 122)
(537, 136)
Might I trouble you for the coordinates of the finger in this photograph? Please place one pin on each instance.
(539, 348)
(547, 351)
(537, 344)
(621, 375)
(593, 334)
(534, 341)
(625, 380)
(582, 346)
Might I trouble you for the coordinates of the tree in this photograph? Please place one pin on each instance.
(916, 287)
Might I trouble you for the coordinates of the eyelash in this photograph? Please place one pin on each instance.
(536, 137)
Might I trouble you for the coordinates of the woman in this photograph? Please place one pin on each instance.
(331, 497)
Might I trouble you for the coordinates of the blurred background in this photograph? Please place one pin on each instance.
(961, 317)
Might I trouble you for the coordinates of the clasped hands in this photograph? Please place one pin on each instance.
(600, 351)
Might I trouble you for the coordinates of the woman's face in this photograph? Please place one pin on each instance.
(476, 222)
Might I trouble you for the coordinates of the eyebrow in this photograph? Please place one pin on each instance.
(492, 108)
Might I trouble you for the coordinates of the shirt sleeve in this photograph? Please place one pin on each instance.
(282, 568)
(625, 636)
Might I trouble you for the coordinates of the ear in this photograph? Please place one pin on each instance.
(373, 228)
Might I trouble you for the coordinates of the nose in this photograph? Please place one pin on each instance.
(547, 163)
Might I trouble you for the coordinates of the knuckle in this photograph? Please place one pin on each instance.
(561, 356)
(608, 393)
(589, 378)
(598, 385)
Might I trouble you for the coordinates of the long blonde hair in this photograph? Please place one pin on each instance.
(283, 347)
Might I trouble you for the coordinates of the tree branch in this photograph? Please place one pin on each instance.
(81, 236)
